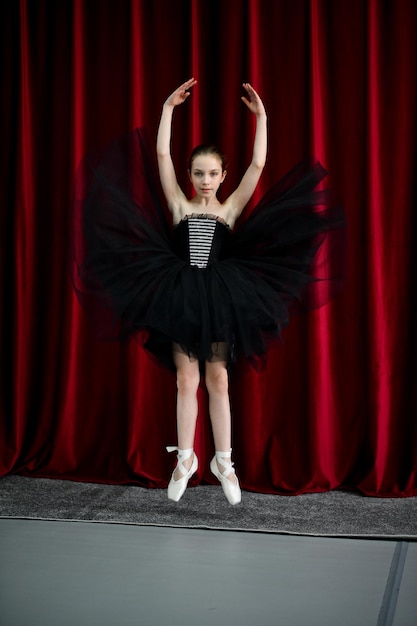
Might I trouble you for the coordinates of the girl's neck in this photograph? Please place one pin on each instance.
(204, 203)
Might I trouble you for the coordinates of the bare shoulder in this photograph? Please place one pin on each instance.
(229, 211)
(183, 208)
(223, 211)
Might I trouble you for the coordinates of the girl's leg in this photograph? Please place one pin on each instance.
(217, 382)
(188, 378)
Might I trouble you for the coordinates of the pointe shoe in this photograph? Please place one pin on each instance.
(176, 488)
(231, 489)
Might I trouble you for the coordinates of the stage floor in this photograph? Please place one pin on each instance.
(99, 574)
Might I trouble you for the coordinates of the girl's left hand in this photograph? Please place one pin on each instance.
(254, 103)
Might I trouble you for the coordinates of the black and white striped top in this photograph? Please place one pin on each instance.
(200, 233)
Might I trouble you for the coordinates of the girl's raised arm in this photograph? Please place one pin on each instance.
(172, 191)
(241, 196)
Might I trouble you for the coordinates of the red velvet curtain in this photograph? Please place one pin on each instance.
(336, 405)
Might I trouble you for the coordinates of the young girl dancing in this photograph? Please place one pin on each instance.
(196, 288)
(201, 212)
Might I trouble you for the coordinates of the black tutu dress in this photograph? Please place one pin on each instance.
(198, 283)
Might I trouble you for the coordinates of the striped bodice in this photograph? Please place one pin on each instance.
(200, 239)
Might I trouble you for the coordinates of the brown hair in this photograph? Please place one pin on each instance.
(205, 148)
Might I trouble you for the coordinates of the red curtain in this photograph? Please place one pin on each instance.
(336, 404)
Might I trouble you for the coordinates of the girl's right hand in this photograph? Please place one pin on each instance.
(181, 93)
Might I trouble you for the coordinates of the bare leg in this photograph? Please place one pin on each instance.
(217, 382)
(188, 378)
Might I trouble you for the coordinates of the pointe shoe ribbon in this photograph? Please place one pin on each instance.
(177, 487)
(230, 488)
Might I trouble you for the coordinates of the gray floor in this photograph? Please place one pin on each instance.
(86, 574)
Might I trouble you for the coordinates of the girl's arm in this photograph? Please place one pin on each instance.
(172, 190)
(241, 196)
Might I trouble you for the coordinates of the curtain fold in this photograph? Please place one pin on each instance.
(335, 406)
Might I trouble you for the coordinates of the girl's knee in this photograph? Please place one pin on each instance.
(217, 380)
(188, 380)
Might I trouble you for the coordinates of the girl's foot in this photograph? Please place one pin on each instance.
(222, 467)
(187, 465)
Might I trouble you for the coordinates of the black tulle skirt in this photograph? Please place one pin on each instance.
(131, 273)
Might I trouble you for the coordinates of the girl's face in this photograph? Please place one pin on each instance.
(206, 175)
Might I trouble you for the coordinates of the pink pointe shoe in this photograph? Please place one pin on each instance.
(177, 487)
(230, 487)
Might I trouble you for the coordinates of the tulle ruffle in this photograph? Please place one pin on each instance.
(130, 270)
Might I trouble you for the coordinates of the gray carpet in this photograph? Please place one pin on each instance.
(331, 514)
